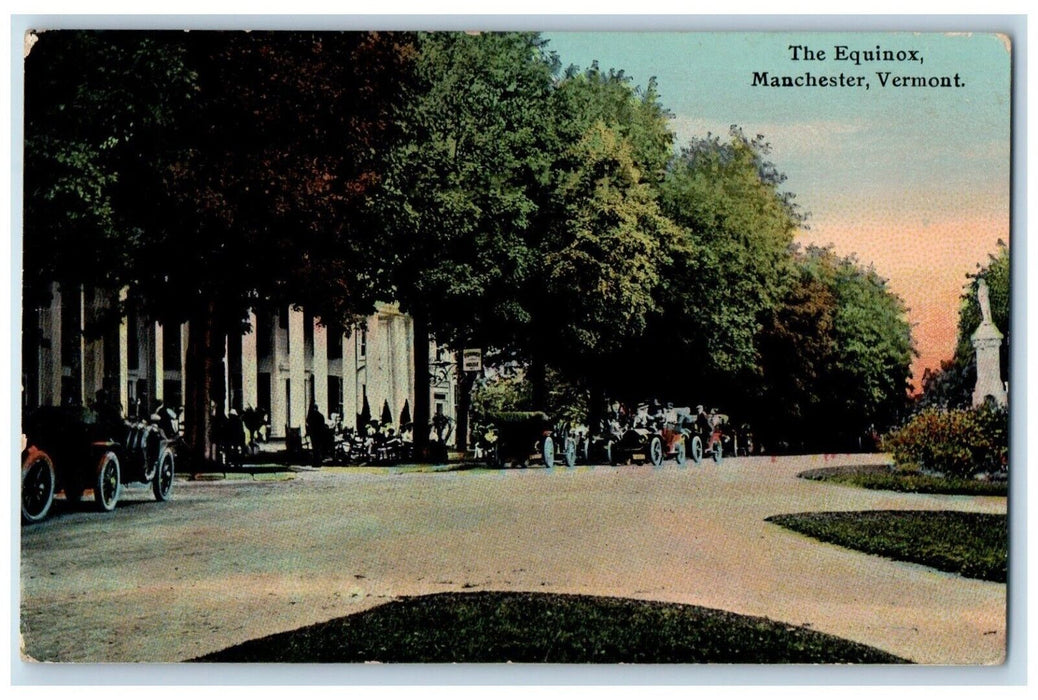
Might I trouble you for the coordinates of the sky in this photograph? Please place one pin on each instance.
(912, 180)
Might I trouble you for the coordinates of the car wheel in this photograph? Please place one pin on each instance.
(548, 452)
(106, 483)
(679, 453)
(38, 479)
(656, 451)
(611, 456)
(162, 484)
(695, 449)
(584, 452)
(569, 452)
(718, 452)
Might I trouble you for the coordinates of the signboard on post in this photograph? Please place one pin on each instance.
(472, 359)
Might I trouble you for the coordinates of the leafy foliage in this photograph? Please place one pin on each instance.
(460, 191)
(214, 173)
(97, 104)
(836, 356)
(739, 229)
(956, 442)
(602, 270)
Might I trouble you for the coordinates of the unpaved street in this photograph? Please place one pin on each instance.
(228, 561)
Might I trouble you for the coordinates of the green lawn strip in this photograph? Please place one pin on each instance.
(497, 627)
(889, 478)
(969, 544)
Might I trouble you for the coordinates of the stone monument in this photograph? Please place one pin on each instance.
(987, 340)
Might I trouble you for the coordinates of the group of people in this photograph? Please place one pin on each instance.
(657, 413)
(233, 435)
(374, 441)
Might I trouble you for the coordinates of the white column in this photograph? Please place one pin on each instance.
(350, 385)
(409, 340)
(401, 366)
(226, 378)
(183, 362)
(124, 358)
(320, 368)
(296, 369)
(278, 374)
(375, 366)
(249, 366)
(156, 370)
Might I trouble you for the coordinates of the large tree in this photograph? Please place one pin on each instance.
(97, 105)
(835, 357)
(461, 192)
(729, 269)
(250, 189)
(600, 237)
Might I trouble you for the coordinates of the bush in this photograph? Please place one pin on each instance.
(958, 443)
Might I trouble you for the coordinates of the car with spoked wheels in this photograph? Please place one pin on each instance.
(74, 449)
(519, 438)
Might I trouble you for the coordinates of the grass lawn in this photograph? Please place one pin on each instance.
(890, 478)
(970, 544)
(495, 627)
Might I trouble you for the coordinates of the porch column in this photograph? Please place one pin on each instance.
(278, 374)
(123, 376)
(296, 370)
(156, 370)
(249, 366)
(320, 368)
(183, 361)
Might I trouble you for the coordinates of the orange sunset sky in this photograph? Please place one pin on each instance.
(926, 265)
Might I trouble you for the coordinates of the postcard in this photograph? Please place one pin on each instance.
(497, 346)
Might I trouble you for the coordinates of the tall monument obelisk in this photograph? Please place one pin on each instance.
(987, 340)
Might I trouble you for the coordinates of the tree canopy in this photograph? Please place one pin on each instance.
(540, 214)
(836, 358)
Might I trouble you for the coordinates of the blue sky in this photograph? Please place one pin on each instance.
(912, 180)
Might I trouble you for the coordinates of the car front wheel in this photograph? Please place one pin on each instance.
(162, 484)
(656, 451)
(548, 452)
(38, 479)
(106, 483)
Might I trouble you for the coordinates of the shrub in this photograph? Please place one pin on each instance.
(958, 442)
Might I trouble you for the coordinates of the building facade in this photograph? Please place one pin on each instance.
(283, 364)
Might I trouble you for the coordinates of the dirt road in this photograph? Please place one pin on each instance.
(229, 561)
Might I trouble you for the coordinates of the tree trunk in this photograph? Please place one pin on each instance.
(465, 382)
(421, 385)
(202, 369)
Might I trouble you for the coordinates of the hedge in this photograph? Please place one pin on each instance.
(956, 442)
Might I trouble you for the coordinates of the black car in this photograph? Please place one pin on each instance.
(73, 448)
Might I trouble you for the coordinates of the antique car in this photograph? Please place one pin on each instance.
(655, 436)
(637, 439)
(73, 448)
(677, 431)
(518, 438)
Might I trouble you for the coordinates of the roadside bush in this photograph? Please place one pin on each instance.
(958, 443)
